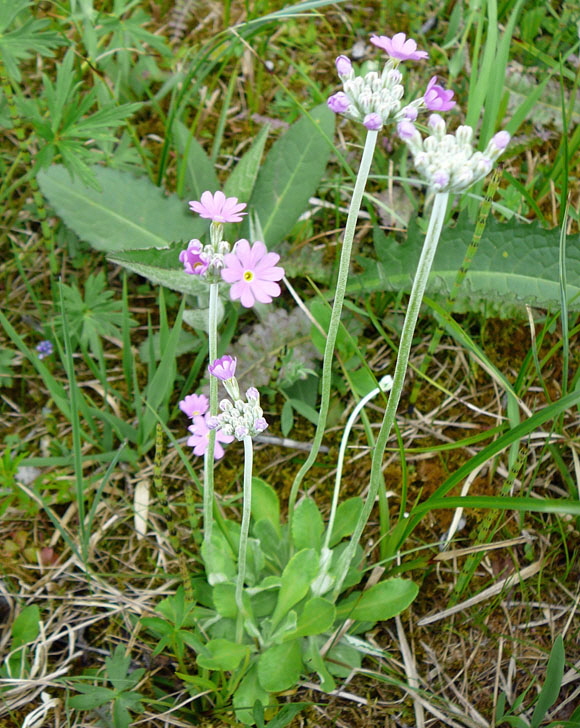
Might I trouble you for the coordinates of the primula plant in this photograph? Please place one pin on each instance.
(277, 599)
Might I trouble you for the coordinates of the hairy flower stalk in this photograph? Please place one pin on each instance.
(209, 459)
(333, 327)
(244, 531)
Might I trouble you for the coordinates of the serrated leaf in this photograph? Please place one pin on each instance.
(92, 698)
(127, 213)
(515, 264)
(307, 525)
(279, 667)
(291, 174)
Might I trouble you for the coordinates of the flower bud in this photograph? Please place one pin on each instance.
(344, 67)
(338, 103)
(373, 121)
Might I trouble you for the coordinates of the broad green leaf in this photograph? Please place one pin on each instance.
(515, 264)
(280, 666)
(224, 600)
(265, 503)
(347, 515)
(117, 667)
(382, 601)
(241, 181)
(269, 538)
(162, 267)
(299, 573)
(291, 174)
(307, 525)
(223, 655)
(286, 714)
(26, 626)
(552, 684)
(317, 617)
(199, 172)
(92, 698)
(343, 659)
(127, 213)
(246, 695)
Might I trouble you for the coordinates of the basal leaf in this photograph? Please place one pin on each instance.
(279, 667)
(347, 515)
(127, 213)
(291, 174)
(246, 695)
(515, 264)
(382, 601)
(223, 655)
(307, 525)
(296, 579)
(317, 617)
(265, 503)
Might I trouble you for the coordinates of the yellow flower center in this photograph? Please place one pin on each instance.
(248, 275)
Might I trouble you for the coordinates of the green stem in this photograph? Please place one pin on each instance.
(244, 531)
(333, 327)
(415, 299)
(208, 463)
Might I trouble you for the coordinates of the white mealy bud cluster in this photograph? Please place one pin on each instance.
(448, 162)
(372, 99)
(240, 418)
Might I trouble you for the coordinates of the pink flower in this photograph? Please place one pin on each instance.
(373, 121)
(399, 47)
(194, 405)
(218, 207)
(338, 102)
(223, 368)
(252, 270)
(501, 140)
(436, 98)
(192, 260)
(199, 439)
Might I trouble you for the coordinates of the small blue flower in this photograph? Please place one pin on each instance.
(45, 348)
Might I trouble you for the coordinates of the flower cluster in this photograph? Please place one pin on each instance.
(448, 162)
(375, 98)
(238, 418)
(196, 407)
(250, 269)
(45, 348)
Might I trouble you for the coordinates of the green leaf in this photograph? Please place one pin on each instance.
(291, 174)
(551, 689)
(307, 525)
(317, 617)
(162, 267)
(246, 695)
(265, 503)
(347, 515)
(280, 666)
(286, 418)
(287, 714)
(382, 601)
(199, 172)
(515, 264)
(241, 181)
(127, 213)
(296, 578)
(26, 626)
(117, 666)
(92, 698)
(314, 661)
(223, 655)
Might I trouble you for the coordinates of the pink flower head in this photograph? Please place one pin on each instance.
(253, 271)
(343, 66)
(373, 121)
(199, 439)
(338, 102)
(501, 140)
(192, 259)
(218, 207)
(194, 405)
(223, 368)
(436, 98)
(399, 47)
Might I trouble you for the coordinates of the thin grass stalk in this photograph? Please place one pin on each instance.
(244, 531)
(415, 299)
(208, 471)
(355, 205)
